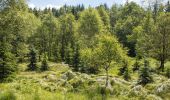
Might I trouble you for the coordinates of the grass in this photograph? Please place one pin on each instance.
(51, 85)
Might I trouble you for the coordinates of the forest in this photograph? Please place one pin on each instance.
(85, 53)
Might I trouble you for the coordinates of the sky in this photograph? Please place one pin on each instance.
(58, 3)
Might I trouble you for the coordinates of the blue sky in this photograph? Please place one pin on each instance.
(58, 3)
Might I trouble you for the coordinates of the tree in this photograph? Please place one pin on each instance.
(19, 24)
(90, 24)
(168, 6)
(136, 65)
(76, 58)
(129, 19)
(104, 17)
(126, 75)
(33, 60)
(145, 77)
(89, 62)
(56, 54)
(163, 44)
(123, 69)
(113, 16)
(155, 39)
(8, 66)
(108, 50)
(44, 64)
(67, 36)
(68, 55)
(45, 40)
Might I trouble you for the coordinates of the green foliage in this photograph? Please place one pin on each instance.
(33, 60)
(168, 73)
(125, 25)
(145, 77)
(88, 40)
(104, 17)
(44, 64)
(76, 58)
(123, 69)
(90, 24)
(126, 75)
(136, 65)
(114, 16)
(154, 40)
(8, 66)
(67, 37)
(8, 95)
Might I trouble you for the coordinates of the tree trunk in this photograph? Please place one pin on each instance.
(162, 65)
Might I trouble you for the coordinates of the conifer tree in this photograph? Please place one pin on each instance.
(44, 64)
(8, 65)
(68, 55)
(136, 65)
(168, 7)
(56, 54)
(145, 76)
(123, 68)
(76, 58)
(33, 60)
(126, 75)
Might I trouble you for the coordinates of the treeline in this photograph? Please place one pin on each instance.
(85, 39)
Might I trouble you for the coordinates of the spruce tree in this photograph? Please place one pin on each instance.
(76, 58)
(33, 60)
(145, 76)
(136, 66)
(123, 68)
(56, 54)
(44, 64)
(68, 55)
(126, 75)
(8, 65)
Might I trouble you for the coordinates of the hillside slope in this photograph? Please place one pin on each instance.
(61, 83)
